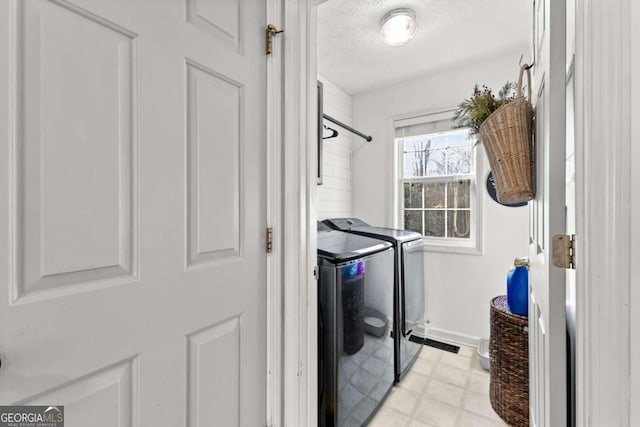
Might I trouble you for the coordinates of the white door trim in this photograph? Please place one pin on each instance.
(603, 189)
(274, 220)
(299, 215)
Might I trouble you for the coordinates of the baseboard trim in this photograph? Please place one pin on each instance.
(453, 337)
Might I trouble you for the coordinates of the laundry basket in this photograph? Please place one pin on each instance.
(509, 373)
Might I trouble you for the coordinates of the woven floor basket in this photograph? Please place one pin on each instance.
(509, 356)
(506, 136)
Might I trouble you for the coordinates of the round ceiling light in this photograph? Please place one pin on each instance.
(398, 26)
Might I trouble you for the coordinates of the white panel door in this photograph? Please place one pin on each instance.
(132, 210)
(547, 318)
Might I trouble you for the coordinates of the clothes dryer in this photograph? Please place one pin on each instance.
(409, 287)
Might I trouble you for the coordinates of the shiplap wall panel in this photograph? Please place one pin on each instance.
(334, 195)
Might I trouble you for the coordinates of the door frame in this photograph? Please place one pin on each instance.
(603, 208)
(274, 216)
(292, 383)
(603, 172)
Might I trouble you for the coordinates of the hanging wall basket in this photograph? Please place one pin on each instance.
(507, 137)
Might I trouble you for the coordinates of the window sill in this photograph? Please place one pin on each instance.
(472, 248)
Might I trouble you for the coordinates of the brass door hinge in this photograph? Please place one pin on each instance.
(563, 251)
(271, 31)
(269, 240)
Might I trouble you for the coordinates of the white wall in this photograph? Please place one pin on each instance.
(458, 287)
(334, 195)
(635, 225)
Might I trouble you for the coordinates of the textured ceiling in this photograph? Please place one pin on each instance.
(450, 32)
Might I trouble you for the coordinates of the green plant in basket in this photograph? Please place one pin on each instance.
(475, 109)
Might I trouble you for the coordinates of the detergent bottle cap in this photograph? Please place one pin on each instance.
(520, 262)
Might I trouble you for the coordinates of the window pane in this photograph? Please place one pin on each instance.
(434, 195)
(414, 164)
(437, 141)
(413, 195)
(458, 194)
(415, 154)
(459, 160)
(413, 221)
(459, 224)
(434, 223)
(417, 143)
(459, 137)
(448, 139)
(435, 162)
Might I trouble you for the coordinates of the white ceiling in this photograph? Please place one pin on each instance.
(450, 32)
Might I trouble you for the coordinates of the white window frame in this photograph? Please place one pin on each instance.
(472, 245)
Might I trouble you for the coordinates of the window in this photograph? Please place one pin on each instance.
(437, 185)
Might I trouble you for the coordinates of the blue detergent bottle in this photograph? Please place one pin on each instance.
(518, 287)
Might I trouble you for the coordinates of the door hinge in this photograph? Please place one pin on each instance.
(269, 240)
(271, 31)
(563, 251)
(315, 272)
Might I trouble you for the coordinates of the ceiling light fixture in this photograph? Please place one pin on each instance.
(398, 26)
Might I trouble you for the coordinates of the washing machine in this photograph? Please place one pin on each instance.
(355, 314)
(409, 287)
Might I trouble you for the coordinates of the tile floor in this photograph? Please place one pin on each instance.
(441, 390)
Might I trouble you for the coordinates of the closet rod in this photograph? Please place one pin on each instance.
(347, 127)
